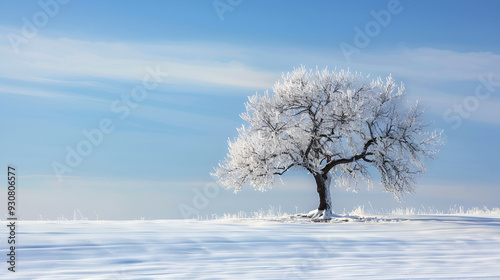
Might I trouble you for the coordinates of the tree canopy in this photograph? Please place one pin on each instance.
(330, 122)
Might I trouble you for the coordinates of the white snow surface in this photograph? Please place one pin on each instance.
(382, 247)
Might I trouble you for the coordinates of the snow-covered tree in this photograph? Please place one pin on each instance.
(334, 124)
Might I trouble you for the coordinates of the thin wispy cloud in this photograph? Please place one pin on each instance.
(440, 102)
(54, 59)
(433, 65)
(191, 64)
(204, 63)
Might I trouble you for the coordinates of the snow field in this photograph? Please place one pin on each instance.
(382, 247)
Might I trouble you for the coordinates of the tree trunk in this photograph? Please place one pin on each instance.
(323, 182)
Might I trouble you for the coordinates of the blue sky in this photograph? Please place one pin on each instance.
(84, 56)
